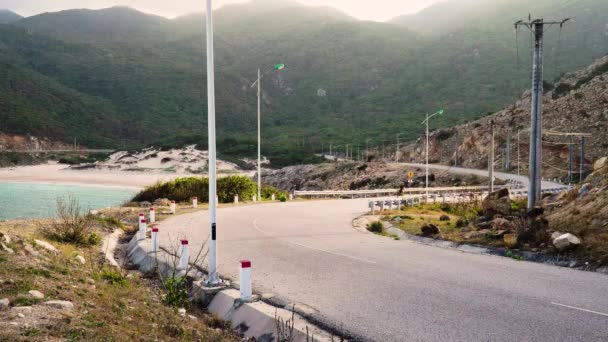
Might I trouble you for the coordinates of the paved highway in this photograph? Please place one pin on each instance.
(378, 289)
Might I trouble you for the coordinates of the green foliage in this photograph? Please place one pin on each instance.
(68, 74)
(282, 198)
(113, 277)
(268, 191)
(183, 189)
(229, 186)
(376, 227)
(176, 292)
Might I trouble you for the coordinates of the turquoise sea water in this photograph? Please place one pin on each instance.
(33, 200)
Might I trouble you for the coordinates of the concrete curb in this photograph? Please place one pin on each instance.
(109, 244)
(255, 319)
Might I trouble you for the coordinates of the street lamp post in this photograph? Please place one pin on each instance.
(427, 147)
(259, 83)
(213, 278)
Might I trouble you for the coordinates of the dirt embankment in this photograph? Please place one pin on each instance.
(359, 176)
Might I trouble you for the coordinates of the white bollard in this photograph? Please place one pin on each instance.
(142, 228)
(172, 207)
(195, 202)
(152, 215)
(184, 256)
(291, 197)
(255, 198)
(273, 197)
(245, 280)
(155, 240)
(217, 200)
(236, 199)
(141, 216)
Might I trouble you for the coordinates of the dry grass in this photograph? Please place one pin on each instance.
(108, 304)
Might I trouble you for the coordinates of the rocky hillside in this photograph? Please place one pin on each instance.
(584, 213)
(358, 176)
(28, 142)
(577, 103)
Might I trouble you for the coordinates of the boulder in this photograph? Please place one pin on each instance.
(501, 224)
(4, 238)
(145, 204)
(444, 218)
(429, 229)
(497, 203)
(555, 235)
(36, 294)
(566, 241)
(46, 246)
(4, 248)
(5, 304)
(535, 212)
(600, 164)
(94, 212)
(60, 304)
(80, 259)
(164, 202)
(584, 189)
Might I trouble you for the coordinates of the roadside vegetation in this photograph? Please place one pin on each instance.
(65, 290)
(183, 189)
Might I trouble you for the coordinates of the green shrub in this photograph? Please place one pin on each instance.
(176, 292)
(376, 227)
(229, 186)
(268, 190)
(282, 198)
(113, 277)
(183, 189)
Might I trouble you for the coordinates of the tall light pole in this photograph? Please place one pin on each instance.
(213, 278)
(439, 112)
(259, 83)
(397, 151)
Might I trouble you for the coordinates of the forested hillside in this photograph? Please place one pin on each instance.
(118, 77)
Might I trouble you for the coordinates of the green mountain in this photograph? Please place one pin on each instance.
(7, 17)
(346, 80)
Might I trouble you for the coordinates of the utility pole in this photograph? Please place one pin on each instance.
(508, 155)
(213, 278)
(537, 27)
(491, 159)
(456, 153)
(397, 151)
(570, 159)
(367, 148)
(358, 152)
(582, 171)
(518, 154)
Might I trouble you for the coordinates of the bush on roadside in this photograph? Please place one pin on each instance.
(376, 227)
(183, 189)
(71, 226)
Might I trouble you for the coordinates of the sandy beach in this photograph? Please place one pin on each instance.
(60, 174)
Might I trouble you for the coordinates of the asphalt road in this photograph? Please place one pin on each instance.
(378, 289)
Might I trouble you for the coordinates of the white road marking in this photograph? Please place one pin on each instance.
(255, 225)
(580, 309)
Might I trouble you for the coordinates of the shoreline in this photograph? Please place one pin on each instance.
(59, 174)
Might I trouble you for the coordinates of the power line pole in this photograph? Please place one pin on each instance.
(508, 154)
(259, 137)
(582, 171)
(397, 151)
(537, 27)
(456, 159)
(570, 158)
(518, 152)
(491, 159)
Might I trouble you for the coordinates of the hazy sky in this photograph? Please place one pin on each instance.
(378, 10)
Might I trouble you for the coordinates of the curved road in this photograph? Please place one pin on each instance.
(378, 289)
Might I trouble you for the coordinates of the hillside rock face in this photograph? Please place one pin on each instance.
(577, 103)
(358, 176)
(23, 142)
